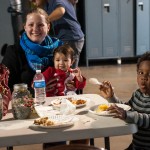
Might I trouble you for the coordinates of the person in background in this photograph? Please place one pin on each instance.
(63, 59)
(33, 51)
(74, 2)
(62, 14)
(139, 102)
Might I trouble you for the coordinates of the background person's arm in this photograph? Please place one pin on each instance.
(57, 14)
(73, 1)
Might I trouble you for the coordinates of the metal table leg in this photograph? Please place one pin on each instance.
(92, 142)
(107, 143)
(10, 148)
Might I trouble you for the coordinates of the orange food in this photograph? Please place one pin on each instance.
(43, 121)
(76, 102)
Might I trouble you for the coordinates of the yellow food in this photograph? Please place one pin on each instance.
(102, 107)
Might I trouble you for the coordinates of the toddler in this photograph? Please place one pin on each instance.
(63, 59)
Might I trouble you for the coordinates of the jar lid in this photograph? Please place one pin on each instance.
(19, 86)
(38, 71)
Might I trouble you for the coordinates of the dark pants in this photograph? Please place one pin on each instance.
(77, 47)
(130, 147)
(47, 145)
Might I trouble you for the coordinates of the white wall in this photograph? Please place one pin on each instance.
(6, 32)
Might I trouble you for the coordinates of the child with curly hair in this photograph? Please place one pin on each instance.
(139, 102)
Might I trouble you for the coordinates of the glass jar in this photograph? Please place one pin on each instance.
(21, 102)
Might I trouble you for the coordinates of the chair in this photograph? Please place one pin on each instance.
(75, 147)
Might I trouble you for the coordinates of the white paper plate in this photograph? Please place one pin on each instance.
(125, 107)
(57, 125)
(59, 120)
(106, 113)
(57, 102)
(103, 113)
(80, 105)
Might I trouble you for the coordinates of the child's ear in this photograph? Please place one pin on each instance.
(49, 27)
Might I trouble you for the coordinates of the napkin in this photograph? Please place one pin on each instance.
(45, 111)
(66, 107)
(71, 93)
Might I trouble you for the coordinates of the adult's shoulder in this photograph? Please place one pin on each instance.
(13, 52)
(14, 48)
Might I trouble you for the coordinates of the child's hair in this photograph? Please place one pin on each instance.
(40, 11)
(66, 50)
(144, 57)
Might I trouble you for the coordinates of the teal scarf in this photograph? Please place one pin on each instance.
(39, 56)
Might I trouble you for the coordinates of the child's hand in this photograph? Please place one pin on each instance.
(119, 112)
(106, 90)
(77, 73)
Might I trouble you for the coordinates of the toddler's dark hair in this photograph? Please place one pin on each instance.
(66, 50)
(144, 57)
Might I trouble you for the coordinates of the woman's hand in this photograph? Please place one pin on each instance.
(51, 84)
(70, 85)
(106, 90)
(118, 111)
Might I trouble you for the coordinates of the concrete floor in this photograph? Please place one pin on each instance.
(123, 78)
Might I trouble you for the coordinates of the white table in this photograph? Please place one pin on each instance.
(17, 132)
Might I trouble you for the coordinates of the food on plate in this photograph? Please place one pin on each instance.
(76, 101)
(44, 121)
(73, 100)
(102, 107)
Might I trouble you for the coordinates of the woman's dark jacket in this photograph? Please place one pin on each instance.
(16, 61)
